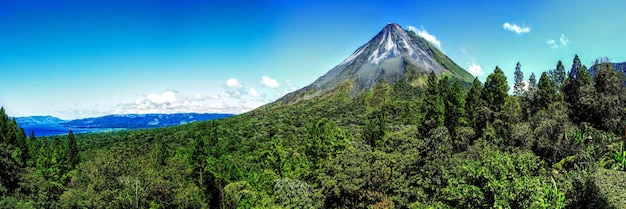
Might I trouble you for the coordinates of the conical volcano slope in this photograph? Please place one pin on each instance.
(384, 58)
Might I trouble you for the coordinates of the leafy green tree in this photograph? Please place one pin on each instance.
(293, 193)
(325, 141)
(502, 180)
(518, 86)
(239, 194)
(358, 178)
(495, 90)
(375, 129)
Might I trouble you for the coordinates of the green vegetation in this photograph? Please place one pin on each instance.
(558, 144)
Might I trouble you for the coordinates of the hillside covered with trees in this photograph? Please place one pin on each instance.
(556, 142)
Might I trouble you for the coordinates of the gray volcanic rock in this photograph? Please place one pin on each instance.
(384, 57)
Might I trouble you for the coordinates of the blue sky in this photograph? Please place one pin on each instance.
(76, 58)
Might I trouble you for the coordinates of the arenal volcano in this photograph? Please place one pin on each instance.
(385, 57)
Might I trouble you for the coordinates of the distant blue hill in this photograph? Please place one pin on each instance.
(48, 125)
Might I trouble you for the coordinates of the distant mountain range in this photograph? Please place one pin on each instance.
(49, 125)
(619, 67)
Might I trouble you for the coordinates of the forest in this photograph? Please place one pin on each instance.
(555, 142)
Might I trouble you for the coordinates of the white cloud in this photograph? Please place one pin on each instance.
(174, 102)
(254, 92)
(563, 41)
(166, 97)
(424, 34)
(270, 82)
(232, 82)
(515, 28)
(475, 69)
(552, 43)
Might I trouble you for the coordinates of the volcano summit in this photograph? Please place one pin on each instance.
(385, 57)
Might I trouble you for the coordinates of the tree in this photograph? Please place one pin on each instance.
(577, 91)
(455, 107)
(559, 76)
(495, 90)
(375, 129)
(547, 91)
(72, 150)
(434, 105)
(473, 102)
(610, 97)
(518, 86)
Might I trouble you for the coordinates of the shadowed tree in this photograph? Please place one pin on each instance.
(518, 86)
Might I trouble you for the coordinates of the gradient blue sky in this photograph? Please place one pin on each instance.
(77, 58)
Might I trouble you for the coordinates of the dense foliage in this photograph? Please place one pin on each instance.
(555, 143)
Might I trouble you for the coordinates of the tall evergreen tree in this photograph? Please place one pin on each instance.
(455, 107)
(547, 91)
(610, 105)
(518, 86)
(559, 75)
(495, 90)
(576, 65)
(435, 106)
(532, 82)
(72, 149)
(473, 102)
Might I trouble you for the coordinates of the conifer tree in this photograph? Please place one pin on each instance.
(547, 91)
(72, 150)
(518, 86)
(559, 76)
(473, 102)
(435, 106)
(495, 90)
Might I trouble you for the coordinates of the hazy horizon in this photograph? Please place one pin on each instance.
(78, 59)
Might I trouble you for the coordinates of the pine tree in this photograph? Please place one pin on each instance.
(532, 82)
(518, 87)
(473, 102)
(547, 91)
(455, 107)
(435, 106)
(495, 90)
(559, 76)
(72, 150)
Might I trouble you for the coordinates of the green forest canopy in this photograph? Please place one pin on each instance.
(556, 143)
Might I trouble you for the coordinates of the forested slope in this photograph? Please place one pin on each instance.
(556, 144)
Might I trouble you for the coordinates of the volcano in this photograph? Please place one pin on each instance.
(385, 58)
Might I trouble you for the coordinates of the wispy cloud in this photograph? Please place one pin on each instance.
(254, 93)
(233, 82)
(172, 101)
(473, 68)
(563, 42)
(515, 28)
(270, 82)
(424, 34)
